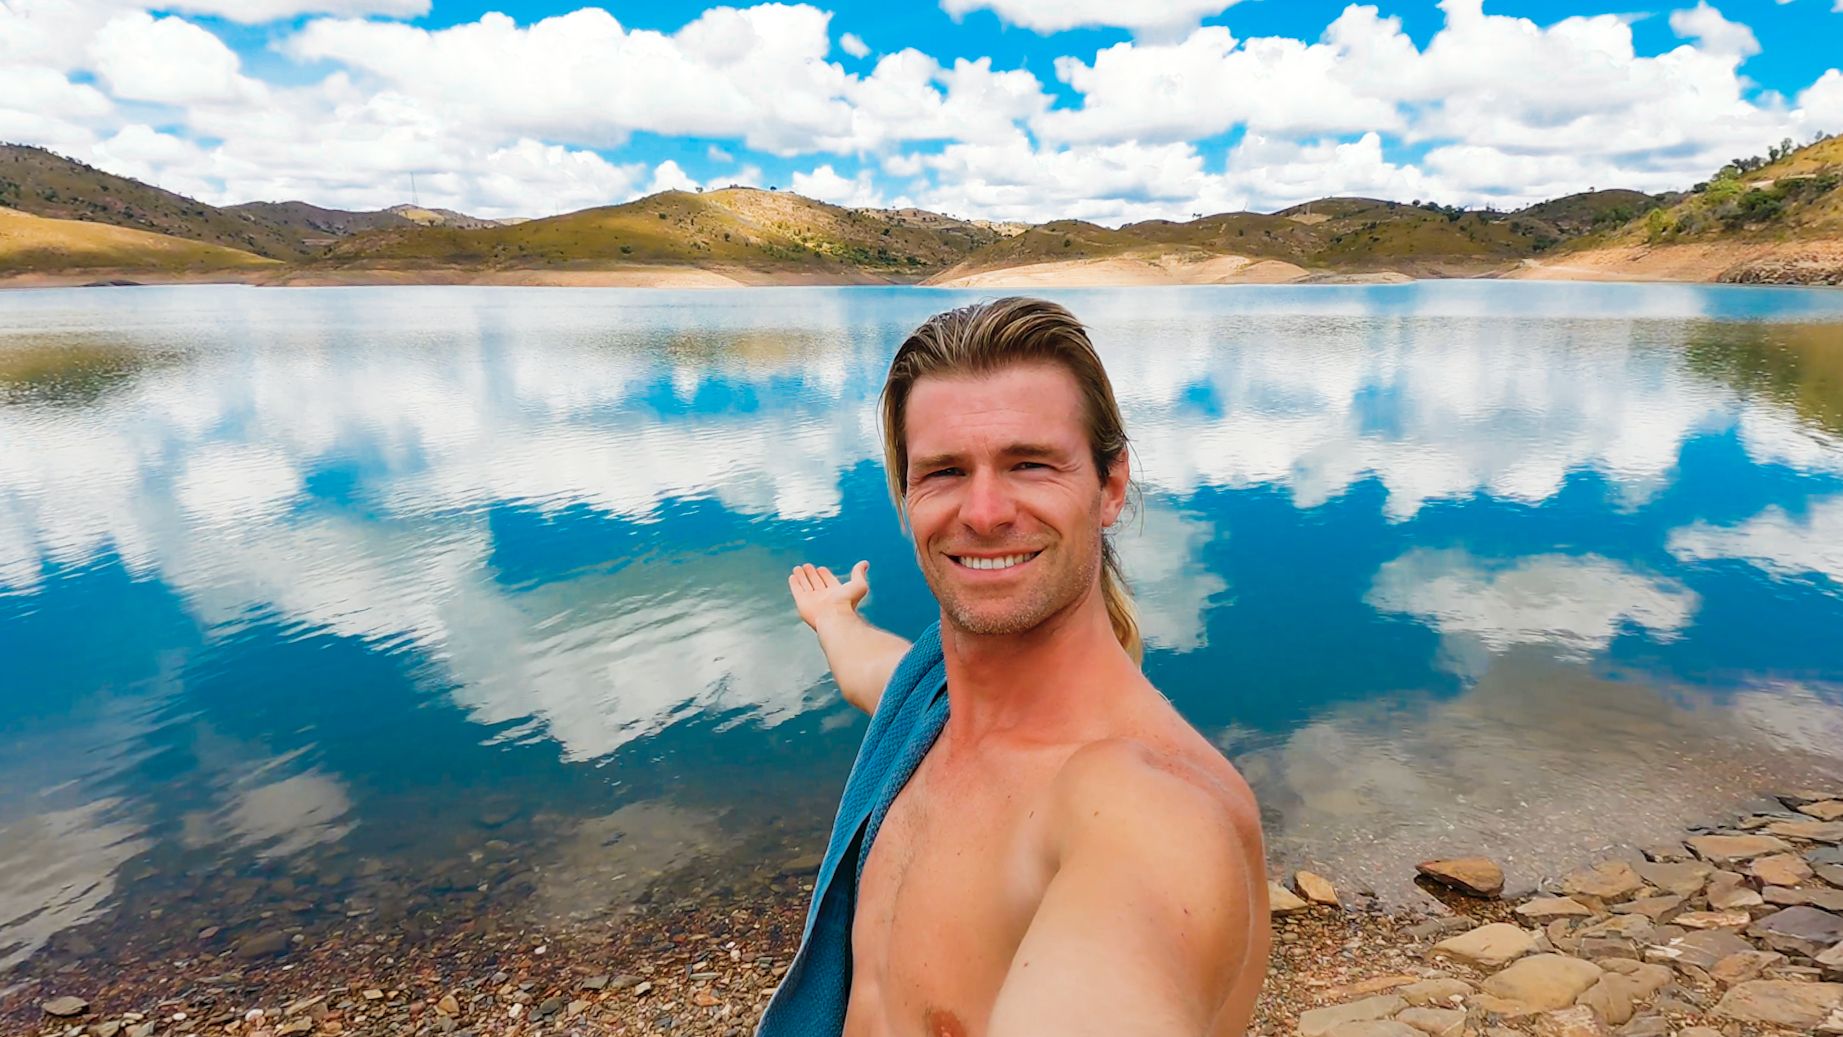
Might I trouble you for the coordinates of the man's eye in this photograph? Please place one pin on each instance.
(942, 472)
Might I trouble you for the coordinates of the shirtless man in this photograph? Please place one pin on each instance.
(1070, 856)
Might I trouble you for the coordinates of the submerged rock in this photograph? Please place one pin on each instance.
(1724, 848)
(65, 1007)
(1474, 876)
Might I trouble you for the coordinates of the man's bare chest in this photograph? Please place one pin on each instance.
(952, 881)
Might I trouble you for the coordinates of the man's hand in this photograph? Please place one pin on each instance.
(861, 656)
(820, 598)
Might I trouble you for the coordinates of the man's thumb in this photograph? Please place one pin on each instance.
(860, 572)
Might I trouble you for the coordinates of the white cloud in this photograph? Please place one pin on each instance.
(1773, 541)
(1572, 605)
(1048, 16)
(1207, 83)
(853, 45)
(252, 12)
(1719, 35)
(825, 184)
(670, 176)
(168, 61)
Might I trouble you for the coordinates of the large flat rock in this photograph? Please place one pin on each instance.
(1544, 981)
(1722, 849)
(1782, 1003)
(1803, 930)
(1488, 946)
(1321, 1021)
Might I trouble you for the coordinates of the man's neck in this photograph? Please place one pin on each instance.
(1057, 682)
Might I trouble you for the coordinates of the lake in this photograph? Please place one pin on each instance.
(342, 601)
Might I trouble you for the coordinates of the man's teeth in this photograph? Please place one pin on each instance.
(1002, 562)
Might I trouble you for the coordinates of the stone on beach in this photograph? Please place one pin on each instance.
(1489, 946)
(1435, 1022)
(1799, 930)
(1435, 992)
(1321, 1021)
(1701, 949)
(1728, 891)
(1810, 831)
(1781, 1002)
(1543, 908)
(1744, 966)
(1722, 849)
(1713, 919)
(1476, 876)
(1684, 878)
(1375, 1028)
(1578, 1021)
(1654, 908)
(1544, 981)
(65, 1007)
(1780, 869)
(1828, 810)
(1607, 880)
(1282, 901)
(1316, 888)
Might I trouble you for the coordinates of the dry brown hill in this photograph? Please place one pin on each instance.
(42, 183)
(37, 248)
(1335, 236)
(316, 227)
(745, 230)
(1777, 220)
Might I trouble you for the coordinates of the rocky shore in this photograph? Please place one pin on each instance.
(1734, 931)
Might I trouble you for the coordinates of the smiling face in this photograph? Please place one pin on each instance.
(1004, 499)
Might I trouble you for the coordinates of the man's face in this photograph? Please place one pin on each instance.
(1004, 500)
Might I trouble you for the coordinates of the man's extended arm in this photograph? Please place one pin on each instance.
(861, 656)
(1154, 914)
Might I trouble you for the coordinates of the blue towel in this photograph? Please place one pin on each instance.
(812, 997)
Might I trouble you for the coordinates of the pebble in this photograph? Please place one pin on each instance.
(1780, 869)
(1609, 880)
(1540, 908)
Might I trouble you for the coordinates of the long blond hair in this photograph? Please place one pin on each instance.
(989, 336)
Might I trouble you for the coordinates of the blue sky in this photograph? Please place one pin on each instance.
(1007, 109)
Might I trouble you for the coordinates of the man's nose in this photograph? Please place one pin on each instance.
(988, 505)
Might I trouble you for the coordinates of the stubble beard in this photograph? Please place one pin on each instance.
(1029, 607)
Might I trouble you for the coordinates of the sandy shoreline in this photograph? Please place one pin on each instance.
(1818, 263)
(1736, 925)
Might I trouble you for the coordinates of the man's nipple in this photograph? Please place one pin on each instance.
(939, 1022)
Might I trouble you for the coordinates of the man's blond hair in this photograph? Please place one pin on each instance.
(985, 338)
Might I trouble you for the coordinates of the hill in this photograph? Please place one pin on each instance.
(1776, 219)
(37, 248)
(440, 217)
(313, 226)
(748, 234)
(42, 183)
(1335, 237)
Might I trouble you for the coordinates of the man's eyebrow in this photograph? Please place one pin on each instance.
(1029, 451)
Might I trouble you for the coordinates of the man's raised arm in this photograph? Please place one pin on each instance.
(861, 656)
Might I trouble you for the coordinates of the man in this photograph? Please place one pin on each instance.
(1032, 840)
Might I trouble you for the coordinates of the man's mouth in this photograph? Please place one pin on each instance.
(989, 562)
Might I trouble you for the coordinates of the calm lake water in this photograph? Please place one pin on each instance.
(372, 591)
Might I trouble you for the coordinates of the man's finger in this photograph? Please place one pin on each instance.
(826, 578)
(860, 573)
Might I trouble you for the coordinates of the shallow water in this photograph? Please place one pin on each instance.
(385, 592)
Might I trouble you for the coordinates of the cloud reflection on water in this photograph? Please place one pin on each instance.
(348, 465)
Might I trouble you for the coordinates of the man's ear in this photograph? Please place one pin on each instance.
(1113, 488)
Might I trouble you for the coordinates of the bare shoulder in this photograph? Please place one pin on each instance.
(1169, 801)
